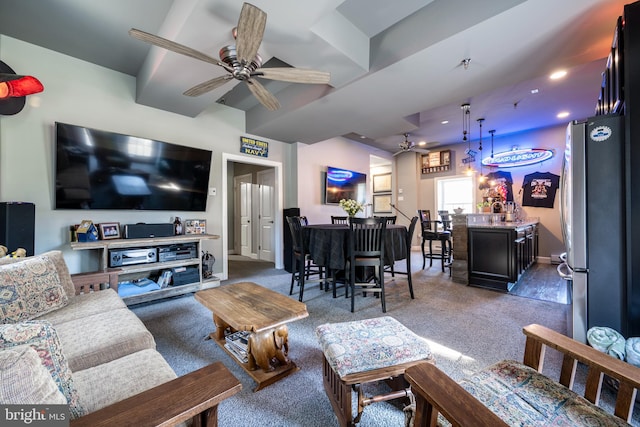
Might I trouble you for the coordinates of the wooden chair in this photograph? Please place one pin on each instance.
(366, 249)
(302, 266)
(340, 220)
(390, 219)
(430, 234)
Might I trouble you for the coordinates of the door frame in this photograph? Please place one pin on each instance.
(278, 204)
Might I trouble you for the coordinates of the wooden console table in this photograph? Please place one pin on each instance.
(246, 306)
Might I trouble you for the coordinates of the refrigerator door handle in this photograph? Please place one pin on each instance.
(565, 271)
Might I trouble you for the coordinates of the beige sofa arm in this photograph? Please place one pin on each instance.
(87, 282)
(192, 396)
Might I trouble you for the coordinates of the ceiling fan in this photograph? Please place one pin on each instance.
(241, 60)
(407, 145)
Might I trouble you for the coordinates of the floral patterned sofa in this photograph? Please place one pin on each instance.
(511, 393)
(71, 340)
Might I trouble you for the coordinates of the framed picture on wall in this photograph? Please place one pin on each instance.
(195, 226)
(382, 183)
(382, 203)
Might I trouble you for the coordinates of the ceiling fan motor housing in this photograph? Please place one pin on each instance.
(229, 56)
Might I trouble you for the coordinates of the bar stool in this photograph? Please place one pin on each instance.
(431, 234)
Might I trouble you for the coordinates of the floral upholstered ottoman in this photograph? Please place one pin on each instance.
(365, 351)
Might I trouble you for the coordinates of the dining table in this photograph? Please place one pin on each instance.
(328, 244)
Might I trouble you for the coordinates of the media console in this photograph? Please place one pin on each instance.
(139, 257)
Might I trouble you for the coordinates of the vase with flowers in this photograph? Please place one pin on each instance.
(351, 207)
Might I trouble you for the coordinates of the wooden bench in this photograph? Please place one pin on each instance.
(436, 393)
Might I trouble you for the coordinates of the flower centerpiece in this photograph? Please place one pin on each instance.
(351, 207)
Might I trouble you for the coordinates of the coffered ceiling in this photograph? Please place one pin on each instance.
(395, 67)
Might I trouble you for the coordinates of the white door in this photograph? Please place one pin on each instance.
(266, 181)
(242, 223)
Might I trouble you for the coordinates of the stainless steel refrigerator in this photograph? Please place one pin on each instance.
(593, 218)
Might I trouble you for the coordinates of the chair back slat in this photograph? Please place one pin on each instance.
(367, 236)
(339, 220)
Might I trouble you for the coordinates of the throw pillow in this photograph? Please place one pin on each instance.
(25, 380)
(29, 289)
(42, 337)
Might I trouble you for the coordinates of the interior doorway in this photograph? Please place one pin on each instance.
(253, 199)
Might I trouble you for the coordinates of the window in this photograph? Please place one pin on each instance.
(456, 192)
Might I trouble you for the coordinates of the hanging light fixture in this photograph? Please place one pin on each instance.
(492, 132)
(482, 178)
(466, 120)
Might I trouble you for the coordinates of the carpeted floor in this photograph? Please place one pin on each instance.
(468, 328)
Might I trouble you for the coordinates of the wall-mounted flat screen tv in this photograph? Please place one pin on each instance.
(96, 169)
(345, 184)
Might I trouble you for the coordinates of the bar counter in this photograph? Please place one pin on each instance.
(492, 253)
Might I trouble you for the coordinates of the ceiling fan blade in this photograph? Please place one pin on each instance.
(294, 75)
(421, 150)
(250, 30)
(264, 96)
(207, 86)
(398, 152)
(172, 46)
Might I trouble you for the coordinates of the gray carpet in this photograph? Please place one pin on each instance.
(468, 328)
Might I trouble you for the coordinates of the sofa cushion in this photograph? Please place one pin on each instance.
(61, 266)
(85, 305)
(520, 396)
(30, 288)
(102, 337)
(42, 337)
(119, 379)
(25, 380)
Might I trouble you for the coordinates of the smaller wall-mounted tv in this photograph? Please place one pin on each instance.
(96, 169)
(345, 184)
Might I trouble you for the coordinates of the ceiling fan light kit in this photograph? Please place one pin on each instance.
(241, 60)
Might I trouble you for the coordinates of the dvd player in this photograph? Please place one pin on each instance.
(177, 252)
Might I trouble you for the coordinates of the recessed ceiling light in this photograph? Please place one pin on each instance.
(421, 143)
(558, 74)
(563, 114)
(444, 122)
(534, 91)
(362, 137)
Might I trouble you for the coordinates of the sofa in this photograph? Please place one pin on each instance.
(72, 340)
(510, 393)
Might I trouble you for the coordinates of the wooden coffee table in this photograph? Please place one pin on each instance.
(246, 306)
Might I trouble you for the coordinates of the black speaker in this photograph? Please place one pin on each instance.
(141, 231)
(17, 226)
(288, 243)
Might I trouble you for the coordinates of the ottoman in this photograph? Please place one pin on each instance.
(367, 351)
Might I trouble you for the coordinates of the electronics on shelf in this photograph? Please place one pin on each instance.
(121, 257)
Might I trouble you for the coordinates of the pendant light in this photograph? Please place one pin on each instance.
(466, 124)
(482, 178)
(492, 132)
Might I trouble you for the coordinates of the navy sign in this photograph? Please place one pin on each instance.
(254, 147)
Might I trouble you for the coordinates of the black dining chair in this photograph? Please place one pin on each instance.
(408, 240)
(430, 233)
(303, 267)
(366, 249)
(389, 219)
(340, 220)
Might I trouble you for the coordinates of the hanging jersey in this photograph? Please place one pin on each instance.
(539, 189)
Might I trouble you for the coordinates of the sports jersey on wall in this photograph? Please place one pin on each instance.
(539, 189)
(505, 179)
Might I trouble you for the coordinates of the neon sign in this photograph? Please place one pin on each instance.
(511, 159)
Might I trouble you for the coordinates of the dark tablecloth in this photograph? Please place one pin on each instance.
(327, 244)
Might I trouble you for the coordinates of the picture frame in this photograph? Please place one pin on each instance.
(195, 226)
(382, 203)
(382, 183)
(109, 230)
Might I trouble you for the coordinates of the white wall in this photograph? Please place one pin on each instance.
(84, 94)
(312, 164)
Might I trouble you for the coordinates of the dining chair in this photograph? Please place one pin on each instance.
(430, 233)
(408, 240)
(366, 249)
(340, 220)
(390, 219)
(302, 266)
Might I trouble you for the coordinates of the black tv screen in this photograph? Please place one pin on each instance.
(345, 184)
(96, 169)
